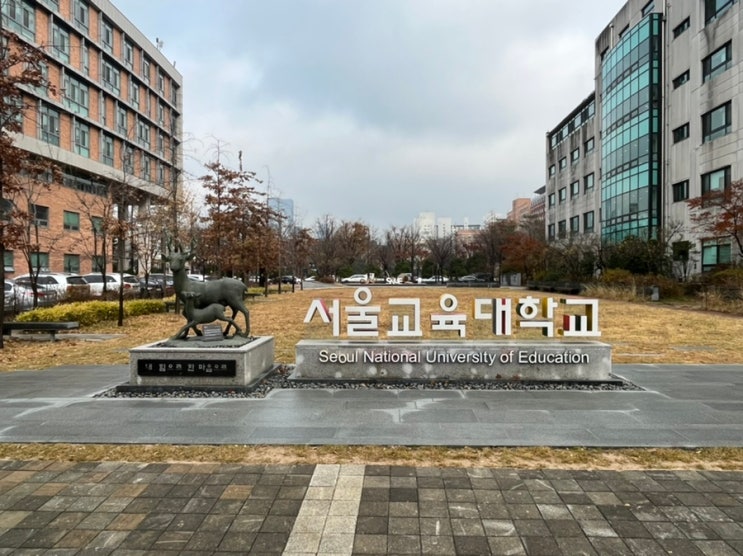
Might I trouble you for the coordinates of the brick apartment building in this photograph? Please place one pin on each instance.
(113, 120)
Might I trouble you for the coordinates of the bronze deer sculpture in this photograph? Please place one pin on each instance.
(225, 291)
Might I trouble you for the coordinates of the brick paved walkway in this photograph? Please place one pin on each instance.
(129, 508)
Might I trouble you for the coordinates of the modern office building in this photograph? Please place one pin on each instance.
(662, 126)
(111, 122)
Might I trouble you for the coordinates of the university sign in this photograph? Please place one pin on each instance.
(403, 354)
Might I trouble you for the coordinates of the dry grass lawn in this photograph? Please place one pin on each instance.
(639, 333)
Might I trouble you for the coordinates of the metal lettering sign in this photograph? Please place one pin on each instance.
(362, 319)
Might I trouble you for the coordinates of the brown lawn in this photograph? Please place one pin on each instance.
(639, 333)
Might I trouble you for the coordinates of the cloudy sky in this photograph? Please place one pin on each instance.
(377, 110)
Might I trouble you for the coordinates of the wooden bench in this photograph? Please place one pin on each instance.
(169, 306)
(253, 295)
(50, 328)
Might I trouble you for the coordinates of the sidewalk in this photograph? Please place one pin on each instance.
(61, 508)
(678, 406)
(129, 508)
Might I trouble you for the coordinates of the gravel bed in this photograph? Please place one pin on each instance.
(279, 379)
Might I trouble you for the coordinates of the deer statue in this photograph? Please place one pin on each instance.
(225, 291)
(194, 316)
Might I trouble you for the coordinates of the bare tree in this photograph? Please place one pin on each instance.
(20, 66)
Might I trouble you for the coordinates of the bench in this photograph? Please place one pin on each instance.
(50, 328)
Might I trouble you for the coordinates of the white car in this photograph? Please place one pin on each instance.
(356, 279)
(53, 286)
(95, 280)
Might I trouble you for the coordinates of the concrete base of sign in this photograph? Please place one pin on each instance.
(193, 362)
(583, 361)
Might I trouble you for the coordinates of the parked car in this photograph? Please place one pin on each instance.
(158, 285)
(355, 279)
(9, 294)
(113, 279)
(435, 280)
(55, 286)
(477, 277)
(291, 280)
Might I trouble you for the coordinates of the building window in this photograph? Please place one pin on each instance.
(716, 123)
(110, 77)
(102, 116)
(96, 225)
(552, 166)
(574, 156)
(173, 94)
(72, 264)
(551, 231)
(160, 174)
(40, 261)
(715, 254)
(562, 195)
(128, 159)
(588, 222)
(8, 261)
(98, 263)
(717, 62)
(145, 68)
(82, 139)
(107, 36)
(648, 8)
(61, 43)
(562, 228)
(681, 79)
(715, 8)
(717, 180)
(681, 133)
(680, 191)
(551, 200)
(588, 182)
(160, 81)
(20, 16)
(574, 225)
(143, 134)
(107, 149)
(128, 50)
(85, 59)
(146, 167)
(574, 189)
(122, 124)
(49, 131)
(76, 96)
(563, 163)
(40, 215)
(82, 14)
(681, 27)
(71, 220)
(588, 146)
(134, 93)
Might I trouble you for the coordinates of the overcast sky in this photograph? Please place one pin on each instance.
(377, 110)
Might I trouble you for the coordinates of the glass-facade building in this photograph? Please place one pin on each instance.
(631, 139)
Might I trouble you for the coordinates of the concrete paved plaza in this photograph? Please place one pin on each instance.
(188, 508)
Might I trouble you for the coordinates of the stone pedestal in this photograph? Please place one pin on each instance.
(193, 362)
(582, 361)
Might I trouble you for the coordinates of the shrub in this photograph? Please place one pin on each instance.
(617, 277)
(729, 278)
(91, 312)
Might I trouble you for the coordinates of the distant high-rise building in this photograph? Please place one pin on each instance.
(285, 207)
